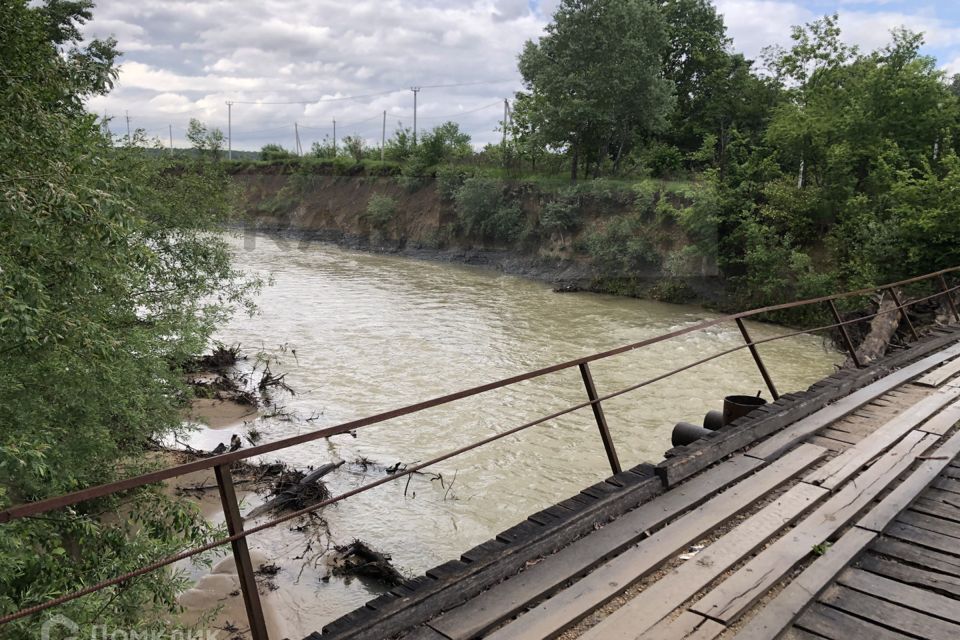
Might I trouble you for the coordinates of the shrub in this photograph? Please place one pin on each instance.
(622, 249)
(663, 160)
(484, 211)
(380, 210)
(449, 179)
(270, 152)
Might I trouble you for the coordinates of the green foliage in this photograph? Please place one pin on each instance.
(662, 160)
(381, 210)
(354, 147)
(449, 179)
(593, 82)
(485, 212)
(271, 152)
(205, 141)
(442, 144)
(623, 248)
(109, 277)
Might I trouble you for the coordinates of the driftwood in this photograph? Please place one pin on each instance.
(358, 559)
(296, 490)
(882, 329)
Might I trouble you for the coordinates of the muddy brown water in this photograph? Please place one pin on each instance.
(359, 333)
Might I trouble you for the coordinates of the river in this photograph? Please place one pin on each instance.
(360, 333)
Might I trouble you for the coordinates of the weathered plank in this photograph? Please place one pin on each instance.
(836, 472)
(890, 615)
(423, 633)
(777, 614)
(946, 497)
(907, 574)
(780, 442)
(931, 523)
(918, 556)
(904, 595)
(570, 605)
(738, 592)
(905, 493)
(948, 484)
(830, 623)
(686, 626)
(941, 374)
(659, 599)
(503, 600)
(923, 537)
(943, 421)
(936, 508)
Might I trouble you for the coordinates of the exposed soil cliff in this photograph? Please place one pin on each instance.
(424, 224)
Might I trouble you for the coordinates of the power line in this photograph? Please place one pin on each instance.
(372, 95)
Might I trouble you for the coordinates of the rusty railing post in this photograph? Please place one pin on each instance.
(601, 419)
(756, 358)
(846, 336)
(949, 294)
(903, 310)
(241, 554)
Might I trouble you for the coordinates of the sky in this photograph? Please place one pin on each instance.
(352, 60)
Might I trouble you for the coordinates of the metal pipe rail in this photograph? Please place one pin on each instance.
(221, 463)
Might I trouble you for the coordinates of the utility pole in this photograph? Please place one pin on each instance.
(128, 125)
(171, 138)
(229, 130)
(415, 91)
(334, 137)
(296, 133)
(383, 135)
(506, 114)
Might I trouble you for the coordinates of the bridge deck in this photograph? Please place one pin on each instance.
(834, 513)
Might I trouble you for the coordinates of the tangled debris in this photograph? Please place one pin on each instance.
(294, 489)
(358, 559)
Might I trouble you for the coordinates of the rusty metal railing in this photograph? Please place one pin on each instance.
(221, 463)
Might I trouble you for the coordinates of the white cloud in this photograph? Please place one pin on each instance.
(186, 58)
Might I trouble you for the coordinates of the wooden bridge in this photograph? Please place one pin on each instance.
(834, 513)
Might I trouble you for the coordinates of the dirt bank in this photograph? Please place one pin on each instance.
(424, 225)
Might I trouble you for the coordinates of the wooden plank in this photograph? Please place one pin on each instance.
(423, 632)
(503, 600)
(905, 595)
(929, 580)
(605, 582)
(941, 374)
(905, 493)
(947, 498)
(890, 615)
(837, 625)
(931, 523)
(659, 599)
(828, 443)
(686, 626)
(923, 537)
(918, 556)
(936, 508)
(738, 592)
(786, 438)
(836, 472)
(948, 484)
(943, 421)
(780, 612)
(841, 436)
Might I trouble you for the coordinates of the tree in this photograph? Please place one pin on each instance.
(274, 152)
(445, 142)
(594, 81)
(109, 280)
(354, 146)
(206, 141)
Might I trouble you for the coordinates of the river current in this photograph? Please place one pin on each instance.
(358, 333)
